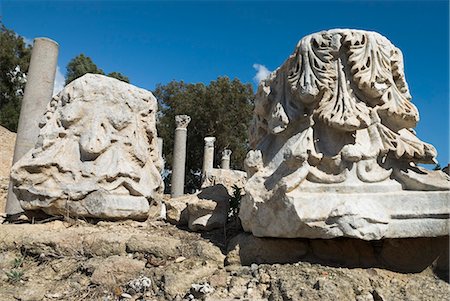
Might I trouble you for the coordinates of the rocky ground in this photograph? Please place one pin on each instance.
(75, 260)
(7, 141)
(153, 260)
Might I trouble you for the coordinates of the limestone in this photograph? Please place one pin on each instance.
(333, 149)
(225, 177)
(179, 155)
(38, 93)
(245, 249)
(177, 210)
(210, 210)
(202, 211)
(97, 154)
(114, 270)
(208, 155)
(226, 154)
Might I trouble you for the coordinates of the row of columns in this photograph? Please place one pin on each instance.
(208, 156)
(179, 155)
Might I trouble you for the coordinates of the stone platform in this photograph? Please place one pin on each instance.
(367, 216)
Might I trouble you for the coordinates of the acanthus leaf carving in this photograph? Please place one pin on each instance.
(343, 110)
(405, 145)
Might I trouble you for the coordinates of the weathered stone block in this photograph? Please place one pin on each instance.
(96, 155)
(334, 153)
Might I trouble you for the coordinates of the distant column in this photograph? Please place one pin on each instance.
(160, 146)
(226, 159)
(38, 93)
(179, 155)
(208, 154)
(160, 143)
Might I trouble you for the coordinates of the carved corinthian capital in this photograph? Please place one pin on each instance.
(334, 153)
(182, 121)
(226, 153)
(209, 141)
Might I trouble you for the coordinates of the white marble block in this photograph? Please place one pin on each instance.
(334, 153)
(97, 153)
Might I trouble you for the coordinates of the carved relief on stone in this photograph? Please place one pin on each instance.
(342, 99)
(98, 135)
(334, 150)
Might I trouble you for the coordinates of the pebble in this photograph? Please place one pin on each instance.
(180, 259)
(126, 296)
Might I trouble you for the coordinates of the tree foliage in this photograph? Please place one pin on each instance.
(14, 62)
(119, 76)
(79, 66)
(222, 109)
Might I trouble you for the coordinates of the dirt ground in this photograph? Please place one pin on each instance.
(153, 260)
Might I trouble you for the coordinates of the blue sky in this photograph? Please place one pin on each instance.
(158, 41)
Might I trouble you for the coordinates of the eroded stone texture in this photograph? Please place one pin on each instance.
(334, 153)
(226, 177)
(96, 154)
(202, 211)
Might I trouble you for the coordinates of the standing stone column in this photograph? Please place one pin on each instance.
(208, 154)
(226, 159)
(160, 143)
(38, 93)
(179, 155)
(160, 146)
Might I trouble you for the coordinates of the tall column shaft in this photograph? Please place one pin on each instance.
(160, 150)
(208, 155)
(179, 155)
(38, 93)
(160, 146)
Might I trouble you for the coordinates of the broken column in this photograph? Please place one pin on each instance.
(226, 159)
(208, 155)
(179, 155)
(38, 93)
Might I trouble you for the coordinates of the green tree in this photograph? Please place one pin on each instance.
(222, 109)
(79, 66)
(14, 62)
(119, 76)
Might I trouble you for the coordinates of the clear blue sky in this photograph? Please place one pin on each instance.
(156, 42)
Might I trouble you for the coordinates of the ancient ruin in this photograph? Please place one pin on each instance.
(334, 150)
(179, 155)
(38, 93)
(225, 161)
(97, 153)
(220, 176)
